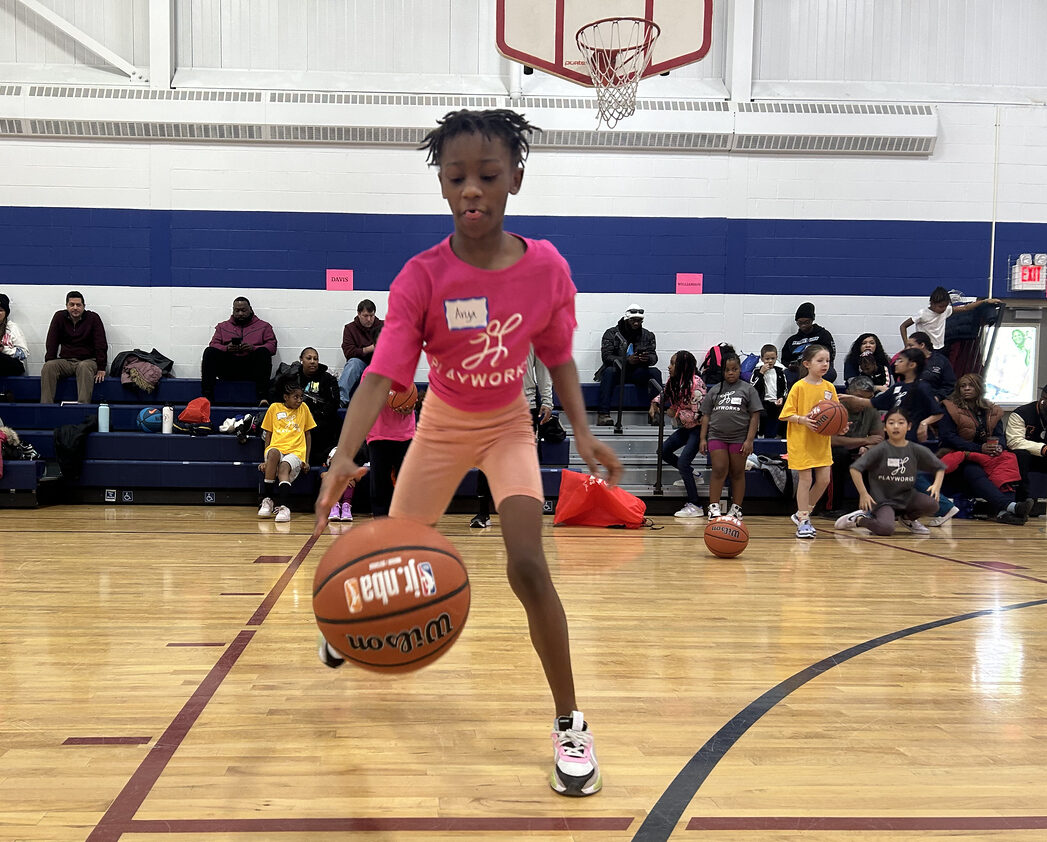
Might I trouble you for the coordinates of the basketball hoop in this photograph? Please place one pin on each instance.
(617, 51)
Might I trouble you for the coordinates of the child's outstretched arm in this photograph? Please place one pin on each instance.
(367, 402)
(590, 448)
(904, 328)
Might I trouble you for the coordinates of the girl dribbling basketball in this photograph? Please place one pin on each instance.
(810, 454)
(475, 303)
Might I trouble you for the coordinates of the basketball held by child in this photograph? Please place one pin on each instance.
(830, 418)
(403, 401)
(391, 595)
(726, 537)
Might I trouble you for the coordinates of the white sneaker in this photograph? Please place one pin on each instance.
(735, 511)
(914, 526)
(714, 511)
(849, 521)
(949, 515)
(575, 770)
(266, 509)
(690, 510)
(283, 514)
(336, 512)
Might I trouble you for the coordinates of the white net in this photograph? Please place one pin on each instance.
(617, 51)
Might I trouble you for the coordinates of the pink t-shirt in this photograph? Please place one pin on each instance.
(476, 325)
(391, 425)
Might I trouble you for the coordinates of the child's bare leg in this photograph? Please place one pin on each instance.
(719, 466)
(283, 472)
(528, 572)
(820, 482)
(737, 461)
(803, 490)
(272, 463)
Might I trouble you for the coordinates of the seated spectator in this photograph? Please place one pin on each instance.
(13, 348)
(893, 465)
(538, 389)
(868, 357)
(320, 390)
(242, 348)
(76, 345)
(808, 333)
(971, 432)
(287, 439)
(937, 371)
(909, 392)
(684, 392)
(630, 347)
(387, 443)
(359, 338)
(866, 431)
(1027, 438)
(770, 383)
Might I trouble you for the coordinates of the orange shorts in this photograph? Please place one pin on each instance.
(448, 442)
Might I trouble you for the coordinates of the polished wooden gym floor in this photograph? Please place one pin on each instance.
(159, 681)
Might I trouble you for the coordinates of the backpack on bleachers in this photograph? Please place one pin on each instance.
(711, 369)
(749, 363)
(195, 419)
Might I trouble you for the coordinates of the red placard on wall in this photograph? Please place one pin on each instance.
(340, 279)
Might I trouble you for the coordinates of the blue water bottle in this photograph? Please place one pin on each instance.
(103, 418)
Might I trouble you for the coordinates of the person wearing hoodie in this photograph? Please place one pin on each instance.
(808, 333)
(627, 343)
(359, 338)
(13, 348)
(242, 348)
(320, 393)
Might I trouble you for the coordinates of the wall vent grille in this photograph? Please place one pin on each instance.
(687, 141)
(10, 90)
(146, 131)
(367, 135)
(836, 108)
(835, 144)
(11, 127)
(441, 100)
(589, 103)
(79, 92)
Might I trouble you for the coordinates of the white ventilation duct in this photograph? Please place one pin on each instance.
(245, 116)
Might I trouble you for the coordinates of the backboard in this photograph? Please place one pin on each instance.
(540, 33)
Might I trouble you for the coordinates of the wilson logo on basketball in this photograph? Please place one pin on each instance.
(406, 640)
(392, 576)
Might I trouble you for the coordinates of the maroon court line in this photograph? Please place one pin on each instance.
(242, 593)
(274, 594)
(196, 644)
(121, 812)
(420, 824)
(106, 741)
(272, 559)
(841, 823)
(115, 822)
(981, 565)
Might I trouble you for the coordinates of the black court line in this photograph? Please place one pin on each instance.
(666, 813)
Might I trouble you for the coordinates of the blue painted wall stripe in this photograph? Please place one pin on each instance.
(252, 249)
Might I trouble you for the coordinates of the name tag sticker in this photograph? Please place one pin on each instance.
(466, 313)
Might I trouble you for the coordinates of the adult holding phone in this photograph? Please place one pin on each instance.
(631, 345)
(242, 348)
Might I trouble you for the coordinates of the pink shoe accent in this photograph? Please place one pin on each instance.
(347, 512)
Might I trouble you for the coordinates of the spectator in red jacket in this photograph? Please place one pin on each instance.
(242, 348)
(358, 341)
(76, 345)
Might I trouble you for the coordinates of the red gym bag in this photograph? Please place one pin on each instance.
(589, 501)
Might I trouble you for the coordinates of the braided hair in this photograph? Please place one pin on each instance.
(500, 123)
(680, 387)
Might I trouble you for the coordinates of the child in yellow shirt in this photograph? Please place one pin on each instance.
(287, 440)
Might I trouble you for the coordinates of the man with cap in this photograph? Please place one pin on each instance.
(809, 333)
(626, 344)
(1026, 435)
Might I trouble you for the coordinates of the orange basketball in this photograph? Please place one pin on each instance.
(830, 418)
(726, 537)
(391, 595)
(403, 400)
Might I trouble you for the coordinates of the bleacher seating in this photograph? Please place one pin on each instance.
(126, 464)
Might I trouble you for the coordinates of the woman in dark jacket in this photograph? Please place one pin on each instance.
(320, 389)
